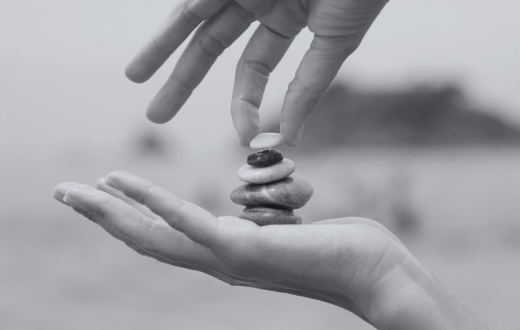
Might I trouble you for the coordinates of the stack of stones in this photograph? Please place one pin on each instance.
(271, 193)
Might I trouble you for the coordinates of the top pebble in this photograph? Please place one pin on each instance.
(266, 140)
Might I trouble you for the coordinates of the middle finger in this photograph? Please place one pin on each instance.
(208, 43)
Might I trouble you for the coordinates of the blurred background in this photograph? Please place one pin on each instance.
(420, 131)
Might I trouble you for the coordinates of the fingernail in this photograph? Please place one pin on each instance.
(101, 182)
(111, 183)
(113, 178)
(69, 200)
(297, 137)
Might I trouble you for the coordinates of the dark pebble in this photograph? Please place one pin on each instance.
(264, 158)
(264, 216)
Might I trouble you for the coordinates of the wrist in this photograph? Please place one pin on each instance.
(410, 297)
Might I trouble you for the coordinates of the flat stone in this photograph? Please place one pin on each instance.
(266, 140)
(259, 175)
(264, 158)
(290, 193)
(264, 216)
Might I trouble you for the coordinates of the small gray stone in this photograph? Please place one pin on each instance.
(263, 216)
(290, 193)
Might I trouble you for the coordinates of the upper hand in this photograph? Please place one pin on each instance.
(353, 263)
(338, 27)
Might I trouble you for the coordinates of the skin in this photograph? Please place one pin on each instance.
(338, 27)
(354, 263)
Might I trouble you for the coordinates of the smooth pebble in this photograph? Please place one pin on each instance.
(266, 140)
(264, 158)
(263, 216)
(259, 175)
(291, 193)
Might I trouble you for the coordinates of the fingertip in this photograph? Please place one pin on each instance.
(101, 182)
(62, 187)
(73, 192)
(119, 173)
(134, 74)
(145, 63)
(60, 190)
(168, 101)
(293, 140)
(287, 137)
(157, 116)
(69, 200)
(114, 178)
(244, 143)
(57, 195)
(102, 185)
(82, 195)
(246, 133)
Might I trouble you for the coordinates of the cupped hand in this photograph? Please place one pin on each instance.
(338, 27)
(353, 263)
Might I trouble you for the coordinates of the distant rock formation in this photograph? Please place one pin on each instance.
(421, 116)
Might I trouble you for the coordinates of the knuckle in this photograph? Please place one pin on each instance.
(250, 103)
(211, 45)
(189, 16)
(173, 215)
(146, 225)
(313, 92)
(184, 84)
(259, 67)
(244, 14)
(112, 201)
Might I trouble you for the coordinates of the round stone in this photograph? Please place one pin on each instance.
(290, 193)
(264, 158)
(266, 140)
(263, 216)
(259, 175)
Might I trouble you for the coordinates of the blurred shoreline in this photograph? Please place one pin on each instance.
(462, 206)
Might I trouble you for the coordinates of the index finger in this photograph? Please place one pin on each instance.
(262, 54)
(196, 223)
(175, 29)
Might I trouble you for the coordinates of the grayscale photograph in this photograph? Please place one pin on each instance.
(259, 164)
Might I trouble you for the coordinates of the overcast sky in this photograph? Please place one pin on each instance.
(62, 63)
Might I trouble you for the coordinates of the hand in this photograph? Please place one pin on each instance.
(338, 27)
(353, 263)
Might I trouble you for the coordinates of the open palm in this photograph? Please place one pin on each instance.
(347, 262)
(338, 26)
